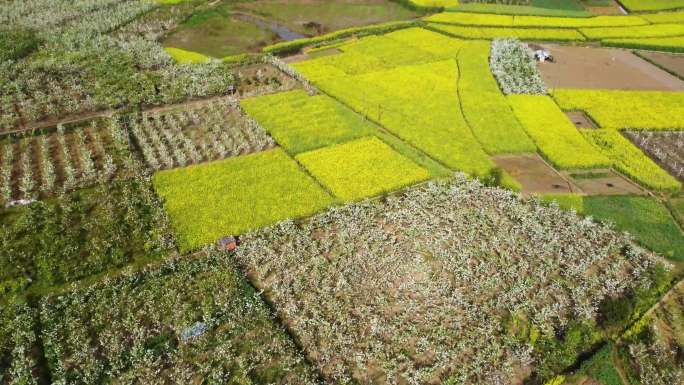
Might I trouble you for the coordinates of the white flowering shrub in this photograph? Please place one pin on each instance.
(513, 66)
(68, 159)
(419, 289)
(189, 320)
(200, 133)
(17, 345)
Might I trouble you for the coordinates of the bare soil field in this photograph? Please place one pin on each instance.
(612, 9)
(671, 62)
(535, 175)
(580, 119)
(603, 68)
(605, 182)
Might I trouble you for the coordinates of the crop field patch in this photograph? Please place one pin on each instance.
(376, 292)
(44, 165)
(431, 122)
(485, 108)
(630, 160)
(652, 5)
(236, 195)
(361, 168)
(534, 174)
(18, 361)
(638, 110)
(665, 148)
(300, 122)
(554, 134)
(84, 233)
(490, 33)
(648, 220)
(193, 319)
(668, 44)
(201, 134)
(602, 68)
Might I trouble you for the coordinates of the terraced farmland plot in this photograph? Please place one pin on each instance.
(485, 108)
(300, 122)
(41, 166)
(229, 197)
(194, 319)
(669, 44)
(637, 110)
(421, 287)
(553, 133)
(420, 105)
(490, 33)
(654, 30)
(361, 168)
(378, 53)
(206, 133)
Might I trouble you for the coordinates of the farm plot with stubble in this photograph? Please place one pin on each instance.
(666, 148)
(451, 281)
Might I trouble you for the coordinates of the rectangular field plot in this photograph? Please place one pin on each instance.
(487, 33)
(183, 322)
(484, 106)
(84, 233)
(666, 148)
(630, 160)
(361, 169)
(232, 196)
(420, 105)
(376, 53)
(300, 122)
(424, 287)
(202, 134)
(646, 218)
(40, 166)
(555, 135)
(638, 110)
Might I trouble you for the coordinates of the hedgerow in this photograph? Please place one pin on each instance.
(300, 122)
(670, 44)
(630, 160)
(638, 110)
(486, 110)
(430, 122)
(433, 302)
(229, 197)
(512, 64)
(187, 320)
(654, 30)
(361, 168)
(553, 133)
(487, 33)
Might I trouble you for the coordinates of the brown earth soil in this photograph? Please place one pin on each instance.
(603, 68)
(671, 62)
(535, 175)
(610, 184)
(612, 9)
(580, 119)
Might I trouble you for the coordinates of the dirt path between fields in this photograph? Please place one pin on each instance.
(603, 68)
